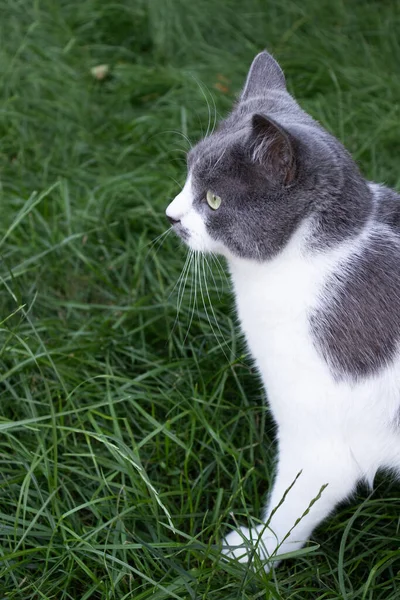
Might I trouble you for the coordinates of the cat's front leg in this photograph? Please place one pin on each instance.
(313, 476)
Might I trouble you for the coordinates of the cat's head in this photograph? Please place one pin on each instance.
(267, 168)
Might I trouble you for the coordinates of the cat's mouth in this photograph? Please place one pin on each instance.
(181, 231)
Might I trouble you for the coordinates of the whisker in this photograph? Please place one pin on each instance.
(214, 316)
(182, 286)
(155, 240)
(180, 186)
(220, 268)
(212, 275)
(201, 87)
(179, 280)
(205, 305)
(175, 132)
(184, 125)
(215, 112)
(160, 239)
(194, 290)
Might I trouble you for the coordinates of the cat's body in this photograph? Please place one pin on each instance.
(333, 431)
(314, 256)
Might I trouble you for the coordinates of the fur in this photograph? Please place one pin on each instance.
(313, 250)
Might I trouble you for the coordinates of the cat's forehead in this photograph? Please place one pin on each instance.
(214, 155)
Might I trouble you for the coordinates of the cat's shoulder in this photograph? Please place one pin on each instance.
(357, 325)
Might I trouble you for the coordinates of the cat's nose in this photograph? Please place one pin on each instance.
(172, 220)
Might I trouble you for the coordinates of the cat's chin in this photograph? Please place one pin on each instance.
(198, 244)
(182, 233)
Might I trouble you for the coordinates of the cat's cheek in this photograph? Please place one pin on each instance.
(198, 237)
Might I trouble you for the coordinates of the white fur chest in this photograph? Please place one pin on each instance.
(274, 301)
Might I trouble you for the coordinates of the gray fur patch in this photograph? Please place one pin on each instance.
(357, 330)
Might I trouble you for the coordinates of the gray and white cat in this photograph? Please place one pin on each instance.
(313, 251)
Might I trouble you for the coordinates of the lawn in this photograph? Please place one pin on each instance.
(133, 431)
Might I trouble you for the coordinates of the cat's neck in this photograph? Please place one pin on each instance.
(270, 286)
(251, 272)
(292, 280)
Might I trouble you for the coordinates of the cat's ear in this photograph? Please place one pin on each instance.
(273, 148)
(264, 74)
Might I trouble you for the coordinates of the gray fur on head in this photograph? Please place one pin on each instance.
(274, 166)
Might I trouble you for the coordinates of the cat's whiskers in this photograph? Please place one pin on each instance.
(209, 114)
(182, 286)
(201, 87)
(220, 268)
(179, 281)
(212, 309)
(201, 264)
(212, 275)
(160, 239)
(177, 132)
(163, 234)
(193, 293)
(176, 181)
(195, 264)
(182, 280)
(215, 113)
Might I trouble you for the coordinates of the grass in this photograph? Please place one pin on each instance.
(129, 440)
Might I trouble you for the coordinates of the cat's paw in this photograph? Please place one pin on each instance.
(243, 544)
(237, 544)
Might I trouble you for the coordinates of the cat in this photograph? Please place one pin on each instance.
(313, 251)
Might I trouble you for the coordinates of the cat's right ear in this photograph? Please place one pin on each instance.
(264, 74)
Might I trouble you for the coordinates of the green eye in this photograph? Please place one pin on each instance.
(213, 201)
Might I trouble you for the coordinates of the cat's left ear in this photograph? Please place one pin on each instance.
(274, 148)
(264, 75)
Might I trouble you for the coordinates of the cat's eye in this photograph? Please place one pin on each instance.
(213, 200)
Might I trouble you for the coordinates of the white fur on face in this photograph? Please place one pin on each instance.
(181, 209)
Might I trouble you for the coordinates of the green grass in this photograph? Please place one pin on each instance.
(129, 441)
